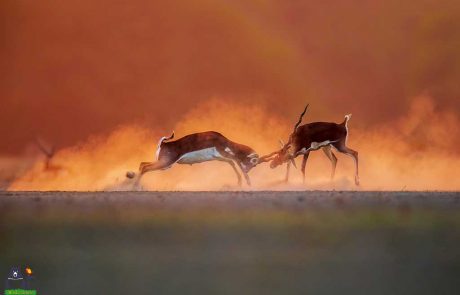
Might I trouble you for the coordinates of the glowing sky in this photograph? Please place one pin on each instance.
(74, 68)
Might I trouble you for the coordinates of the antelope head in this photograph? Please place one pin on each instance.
(282, 156)
(250, 161)
(286, 153)
(278, 157)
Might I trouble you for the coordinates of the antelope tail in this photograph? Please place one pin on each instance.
(160, 142)
(347, 117)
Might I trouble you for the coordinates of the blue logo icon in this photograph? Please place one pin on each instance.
(18, 284)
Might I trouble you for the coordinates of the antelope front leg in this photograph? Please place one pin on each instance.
(236, 171)
(286, 178)
(231, 163)
(246, 176)
(304, 164)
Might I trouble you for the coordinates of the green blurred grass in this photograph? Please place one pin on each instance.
(219, 249)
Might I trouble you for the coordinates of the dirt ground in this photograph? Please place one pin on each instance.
(310, 242)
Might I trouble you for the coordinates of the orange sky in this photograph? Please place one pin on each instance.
(73, 69)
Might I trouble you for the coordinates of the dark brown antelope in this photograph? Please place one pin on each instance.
(312, 137)
(198, 148)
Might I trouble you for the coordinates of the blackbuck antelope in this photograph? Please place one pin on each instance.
(312, 137)
(198, 148)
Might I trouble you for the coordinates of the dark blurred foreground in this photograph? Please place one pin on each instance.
(234, 242)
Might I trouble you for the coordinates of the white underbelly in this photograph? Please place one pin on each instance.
(317, 145)
(200, 156)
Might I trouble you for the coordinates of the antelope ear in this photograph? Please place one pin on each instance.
(281, 142)
(293, 163)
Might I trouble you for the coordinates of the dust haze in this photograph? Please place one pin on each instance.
(405, 155)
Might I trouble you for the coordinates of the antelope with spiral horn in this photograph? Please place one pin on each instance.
(312, 137)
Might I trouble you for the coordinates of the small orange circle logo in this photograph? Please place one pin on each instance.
(29, 271)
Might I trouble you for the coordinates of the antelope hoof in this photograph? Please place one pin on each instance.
(130, 174)
(357, 180)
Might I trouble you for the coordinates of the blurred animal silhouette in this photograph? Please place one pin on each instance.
(49, 152)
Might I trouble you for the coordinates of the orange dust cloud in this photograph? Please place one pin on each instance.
(416, 151)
